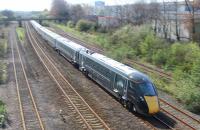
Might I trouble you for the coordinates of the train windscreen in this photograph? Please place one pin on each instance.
(145, 88)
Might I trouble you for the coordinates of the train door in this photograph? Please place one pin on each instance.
(132, 93)
(81, 61)
(119, 85)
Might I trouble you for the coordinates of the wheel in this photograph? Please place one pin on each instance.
(86, 73)
(124, 103)
(131, 107)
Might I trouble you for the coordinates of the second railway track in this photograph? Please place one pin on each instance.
(30, 116)
(83, 113)
(181, 116)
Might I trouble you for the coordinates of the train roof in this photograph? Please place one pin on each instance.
(48, 32)
(129, 72)
(69, 43)
(36, 24)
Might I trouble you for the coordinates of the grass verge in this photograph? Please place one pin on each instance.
(20, 33)
(3, 72)
(3, 115)
(92, 37)
(3, 47)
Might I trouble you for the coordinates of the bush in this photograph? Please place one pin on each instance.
(160, 57)
(3, 73)
(85, 25)
(46, 24)
(21, 34)
(3, 48)
(183, 56)
(121, 52)
(70, 24)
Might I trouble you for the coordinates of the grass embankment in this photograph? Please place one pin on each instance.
(21, 33)
(140, 43)
(3, 47)
(93, 37)
(3, 75)
(3, 72)
(3, 65)
(3, 114)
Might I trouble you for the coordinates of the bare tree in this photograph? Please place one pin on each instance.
(8, 13)
(88, 10)
(140, 13)
(60, 8)
(177, 24)
(154, 14)
(77, 12)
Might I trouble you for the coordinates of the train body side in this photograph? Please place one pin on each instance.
(69, 49)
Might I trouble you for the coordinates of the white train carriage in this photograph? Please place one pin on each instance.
(69, 49)
(49, 36)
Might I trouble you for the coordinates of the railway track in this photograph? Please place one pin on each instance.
(29, 113)
(83, 113)
(181, 116)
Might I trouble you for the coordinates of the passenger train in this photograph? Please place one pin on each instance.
(133, 88)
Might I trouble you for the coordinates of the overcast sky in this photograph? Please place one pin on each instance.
(30, 5)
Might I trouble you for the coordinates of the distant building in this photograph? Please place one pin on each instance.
(99, 8)
(99, 4)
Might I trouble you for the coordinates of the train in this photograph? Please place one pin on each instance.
(132, 88)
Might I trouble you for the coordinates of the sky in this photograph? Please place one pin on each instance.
(38, 5)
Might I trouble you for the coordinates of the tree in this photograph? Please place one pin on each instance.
(8, 13)
(87, 9)
(76, 12)
(140, 13)
(60, 8)
(177, 28)
(154, 13)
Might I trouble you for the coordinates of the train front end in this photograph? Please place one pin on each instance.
(143, 95)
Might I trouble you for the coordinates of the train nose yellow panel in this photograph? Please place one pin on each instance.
(152, 102)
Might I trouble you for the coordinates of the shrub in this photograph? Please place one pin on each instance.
(46, 24)
(3, 73)
(21, 34)
(3, 115)
(160, 57)
(183, 56)
(3, 48)
(85, 25)
(70, 24)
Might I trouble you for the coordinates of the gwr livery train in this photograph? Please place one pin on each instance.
(133, 88)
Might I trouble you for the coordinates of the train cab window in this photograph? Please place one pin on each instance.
(145, 88)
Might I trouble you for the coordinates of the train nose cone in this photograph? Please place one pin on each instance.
(153, 105)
